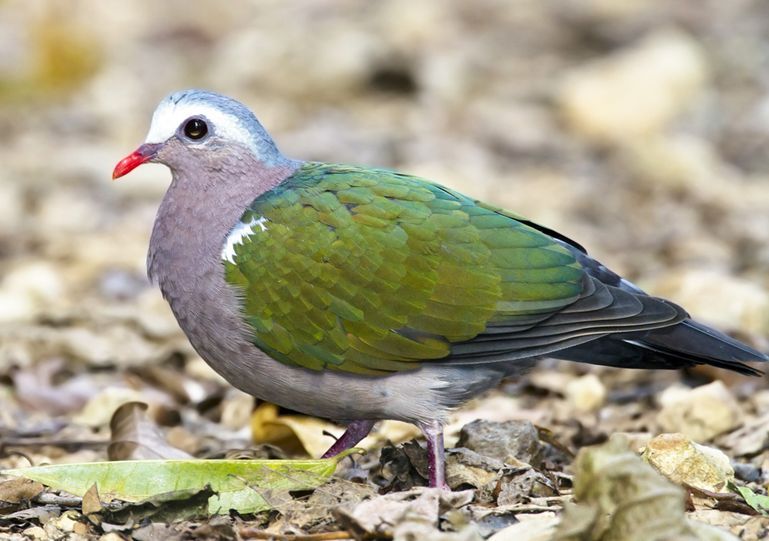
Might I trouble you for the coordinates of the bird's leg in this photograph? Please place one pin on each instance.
(356, 431)
(436, 462)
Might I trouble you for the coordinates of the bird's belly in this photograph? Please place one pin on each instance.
(211, 319)
(208, 311)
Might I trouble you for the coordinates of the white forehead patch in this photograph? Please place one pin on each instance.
(170, 115)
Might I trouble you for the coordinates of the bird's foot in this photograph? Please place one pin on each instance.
(436, 461)
(356, 431)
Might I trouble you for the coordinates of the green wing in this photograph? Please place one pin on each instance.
(371, 271)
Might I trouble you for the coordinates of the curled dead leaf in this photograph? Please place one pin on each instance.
(622, 498)
(135, 437)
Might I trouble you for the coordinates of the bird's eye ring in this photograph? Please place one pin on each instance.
(195, 128)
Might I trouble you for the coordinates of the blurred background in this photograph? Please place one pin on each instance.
(638, 127)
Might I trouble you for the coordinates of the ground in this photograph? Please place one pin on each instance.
(640, 129)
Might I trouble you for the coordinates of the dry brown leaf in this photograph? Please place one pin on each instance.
(301, 433)
(19, 489)
(91, 501)
(750, 439)
(745, 526)
(621, 498)
(266, 428)
(135, 437)
(382, 515)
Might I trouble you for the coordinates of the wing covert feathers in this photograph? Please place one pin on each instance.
(373, 272)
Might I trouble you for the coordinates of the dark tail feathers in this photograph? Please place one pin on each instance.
(685, 344)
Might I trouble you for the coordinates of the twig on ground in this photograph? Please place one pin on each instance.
(253, 533)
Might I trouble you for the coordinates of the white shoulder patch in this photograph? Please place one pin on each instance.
(170, 115)
(238, 233)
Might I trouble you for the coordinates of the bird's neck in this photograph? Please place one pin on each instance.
(197, 212)
(193, 220)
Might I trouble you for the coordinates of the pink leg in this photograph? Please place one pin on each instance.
(356, 431)
(436, 462)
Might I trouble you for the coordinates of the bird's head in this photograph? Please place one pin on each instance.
(196, 129)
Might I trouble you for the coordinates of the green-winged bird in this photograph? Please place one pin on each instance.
(361, 294)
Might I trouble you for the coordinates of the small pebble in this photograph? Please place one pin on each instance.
(747, 472)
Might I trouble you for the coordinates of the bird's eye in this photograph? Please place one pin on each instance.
(195, 128)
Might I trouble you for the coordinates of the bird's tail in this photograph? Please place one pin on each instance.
(685, 344)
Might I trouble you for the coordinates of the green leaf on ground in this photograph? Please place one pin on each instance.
(240, 485)
(759, 502)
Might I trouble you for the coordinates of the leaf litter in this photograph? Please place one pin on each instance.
(239, 485)
(672, 192)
